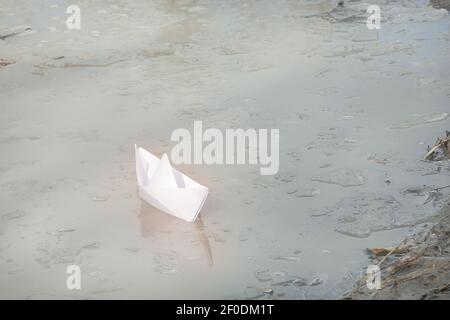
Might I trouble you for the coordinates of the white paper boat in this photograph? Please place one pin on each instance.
(166, 188)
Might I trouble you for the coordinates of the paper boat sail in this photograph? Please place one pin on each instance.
(166, 188)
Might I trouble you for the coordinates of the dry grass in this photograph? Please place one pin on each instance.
(418, 268)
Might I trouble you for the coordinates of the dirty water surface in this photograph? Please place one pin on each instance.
(356, 109)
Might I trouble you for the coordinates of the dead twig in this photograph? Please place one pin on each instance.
(440, 188)
(385, 251)
(403, 264)
(440, 150)
(389, 253)
(442, 289)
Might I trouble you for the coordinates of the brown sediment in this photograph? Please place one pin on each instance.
(441, 4)
(418, 268)
(5, 62)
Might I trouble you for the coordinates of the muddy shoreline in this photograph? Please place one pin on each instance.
(417, 268)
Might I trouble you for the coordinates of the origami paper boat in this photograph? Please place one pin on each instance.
(166, 188)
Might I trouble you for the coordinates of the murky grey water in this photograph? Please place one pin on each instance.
(355, 109)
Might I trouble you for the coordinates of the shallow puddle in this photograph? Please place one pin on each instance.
(356, 109)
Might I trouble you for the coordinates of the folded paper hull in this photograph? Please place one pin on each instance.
(181, 203)
(166, 188)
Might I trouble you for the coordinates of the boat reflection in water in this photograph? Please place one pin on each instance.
(170, 235)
